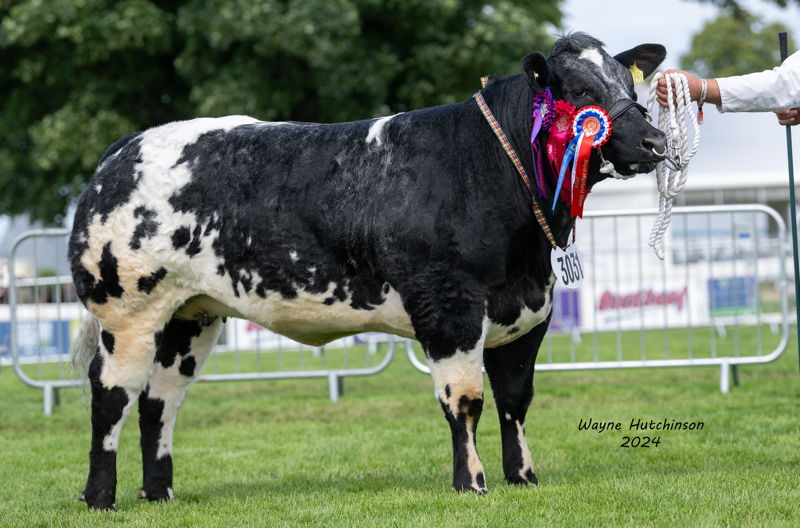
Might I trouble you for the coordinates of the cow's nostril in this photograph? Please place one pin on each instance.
(655, 143)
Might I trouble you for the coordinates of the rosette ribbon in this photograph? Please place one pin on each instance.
(569, 155)
(543, 112)
(559, 135)
(592, 128)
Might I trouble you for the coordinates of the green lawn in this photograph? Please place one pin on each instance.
(280, 454)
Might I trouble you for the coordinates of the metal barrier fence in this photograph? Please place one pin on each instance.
(43, 315)
(718, 298)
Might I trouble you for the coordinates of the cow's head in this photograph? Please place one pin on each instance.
(581, 72)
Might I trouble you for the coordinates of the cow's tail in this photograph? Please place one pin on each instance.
(85, 345)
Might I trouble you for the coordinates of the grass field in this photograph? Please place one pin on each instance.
(280, 454)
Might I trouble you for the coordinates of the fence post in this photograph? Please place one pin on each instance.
(724, 376)
(48, 399)
(333, 386)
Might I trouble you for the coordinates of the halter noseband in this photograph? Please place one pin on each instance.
(622, 106)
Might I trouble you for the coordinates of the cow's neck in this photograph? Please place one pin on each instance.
(511, 100)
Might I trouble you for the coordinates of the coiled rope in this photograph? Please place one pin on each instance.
(672, 173)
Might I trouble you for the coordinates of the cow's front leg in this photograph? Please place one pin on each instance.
(448, 311)
(459, 385)
(510, 368)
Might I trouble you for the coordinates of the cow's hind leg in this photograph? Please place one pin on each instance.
(117, 374)
(510, 368)
(182, 349)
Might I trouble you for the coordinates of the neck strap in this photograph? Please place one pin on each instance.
(495, 126)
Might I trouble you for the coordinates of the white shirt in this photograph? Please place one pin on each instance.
(767, 91)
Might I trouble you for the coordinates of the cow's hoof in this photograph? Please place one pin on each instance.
(525, 478)
(156, 493)
(98, 500)
(104, 507)
(469, 488)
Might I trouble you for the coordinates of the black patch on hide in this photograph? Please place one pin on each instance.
(146, 284)
(156, 472)
(108, 341)
(175, 339)
(146, 228)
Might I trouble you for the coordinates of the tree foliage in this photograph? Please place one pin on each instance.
(735, 6)
(734, 45)
(78, 74)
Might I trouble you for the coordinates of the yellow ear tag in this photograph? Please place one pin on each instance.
(638, 75)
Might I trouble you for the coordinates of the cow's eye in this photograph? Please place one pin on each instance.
(581, 92)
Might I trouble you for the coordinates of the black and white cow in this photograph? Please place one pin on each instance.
(414, 224)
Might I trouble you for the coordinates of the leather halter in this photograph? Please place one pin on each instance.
(622, 106)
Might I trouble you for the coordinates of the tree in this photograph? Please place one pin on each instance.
(78, 74)
(735, 7)
(734, 45)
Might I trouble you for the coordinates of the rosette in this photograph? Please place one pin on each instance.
(592, 127)
(593, 121)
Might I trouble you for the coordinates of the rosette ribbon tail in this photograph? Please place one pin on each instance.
(538, 168)
(569, 154)
(581, 171)
(543, 109)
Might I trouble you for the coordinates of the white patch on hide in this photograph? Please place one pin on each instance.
(461, 371)
(508, 416)
(293, 255)
(527, 461)
(98, 188)
(376, 130)
(593, 55)
(498, 334)
(162, 146)
(306, 317)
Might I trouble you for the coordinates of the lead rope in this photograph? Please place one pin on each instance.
(672, 173)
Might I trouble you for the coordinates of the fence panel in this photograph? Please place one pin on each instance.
(718, 298)
(44, 314)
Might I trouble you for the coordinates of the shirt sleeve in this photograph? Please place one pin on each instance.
(770, 90)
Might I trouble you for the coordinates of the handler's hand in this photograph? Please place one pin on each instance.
(695, 87)
(789, 117)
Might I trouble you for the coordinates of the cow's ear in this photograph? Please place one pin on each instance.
(647, 57)
(535, 68)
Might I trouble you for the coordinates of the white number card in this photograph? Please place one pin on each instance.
(568, 266)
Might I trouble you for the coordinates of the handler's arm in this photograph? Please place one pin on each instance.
(767, 91)
(770, 90)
